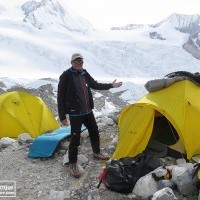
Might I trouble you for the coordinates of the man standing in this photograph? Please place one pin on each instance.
(75, 99)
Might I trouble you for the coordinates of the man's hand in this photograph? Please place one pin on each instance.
(116, 84)
(65, 122)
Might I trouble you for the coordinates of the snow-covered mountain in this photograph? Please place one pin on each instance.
(184, 23)
(51, 14)
(189, 24)
(45, 14)
(39, 37)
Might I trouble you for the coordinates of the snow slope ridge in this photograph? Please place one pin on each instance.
(184, 23)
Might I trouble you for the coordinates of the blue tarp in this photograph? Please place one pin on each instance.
(45, 145)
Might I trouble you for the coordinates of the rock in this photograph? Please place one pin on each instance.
(24, 138)
(94, 194)
(1, 90)
(64, 145)
(2, 85)
(101, 127)
(108, 108)
(97, 114)
(39, 193)
(107, 121)
(155, 35)
(192, 48)
(81, 159)
(61, 195)
(114, 116)
(112, 148)
(85, 134)
(6, 142)
(114, 141)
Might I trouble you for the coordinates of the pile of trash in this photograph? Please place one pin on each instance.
(165, 182)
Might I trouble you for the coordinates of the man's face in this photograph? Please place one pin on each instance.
(77, 63)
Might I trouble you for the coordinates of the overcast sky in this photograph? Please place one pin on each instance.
(107, 13)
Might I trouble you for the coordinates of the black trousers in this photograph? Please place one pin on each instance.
(76, 123)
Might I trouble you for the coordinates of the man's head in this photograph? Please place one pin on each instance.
(77, 61)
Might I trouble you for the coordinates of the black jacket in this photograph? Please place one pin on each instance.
(67, 97)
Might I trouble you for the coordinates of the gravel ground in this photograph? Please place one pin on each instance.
(48, 179)
(41, 178)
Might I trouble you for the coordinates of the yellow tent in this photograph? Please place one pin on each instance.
(178, 103)
(21, 112)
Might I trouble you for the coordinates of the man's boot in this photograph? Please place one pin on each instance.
(74, 171)
(100, 156)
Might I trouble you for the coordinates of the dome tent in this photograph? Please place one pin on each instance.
(178, 103)
(22, 112)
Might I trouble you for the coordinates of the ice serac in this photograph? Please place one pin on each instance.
(2, 9)
(53, 15)
(128, 27)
